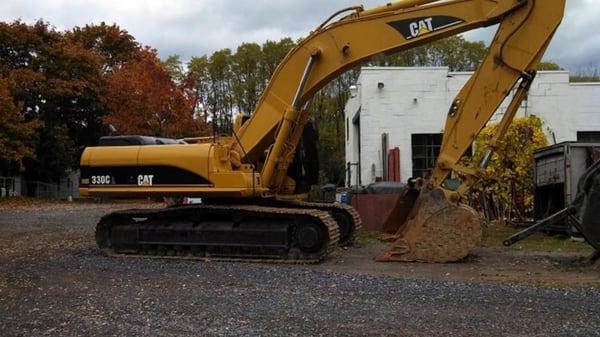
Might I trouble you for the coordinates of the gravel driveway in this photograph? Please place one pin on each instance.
(53, 282)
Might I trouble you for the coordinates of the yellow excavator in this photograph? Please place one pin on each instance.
(252, 182)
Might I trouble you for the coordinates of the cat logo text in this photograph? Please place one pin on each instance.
(145, 180)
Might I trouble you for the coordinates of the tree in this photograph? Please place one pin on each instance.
(16, 135)
(509, 176)
(549, 65)
(587, 74)
(57, 81)
(247, 84)
(114, 45)
(220, 99)
(70, 82)
(328, 113)
(273, 53)
(72, 93)
(226, 83)
(143, 99)
(55, 154)
(174, 67)
(200, 79)
(21, 44)
(454, 52)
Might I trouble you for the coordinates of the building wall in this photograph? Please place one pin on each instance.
(416, 100)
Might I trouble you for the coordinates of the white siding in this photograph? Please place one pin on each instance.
(416, 100)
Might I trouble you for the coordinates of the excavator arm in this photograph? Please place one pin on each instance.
(514, 54)
(526, 27)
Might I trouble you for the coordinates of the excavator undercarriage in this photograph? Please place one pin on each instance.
(286, 231)
(221, 232)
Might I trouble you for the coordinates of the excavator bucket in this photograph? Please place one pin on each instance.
(436, 230)
(401, 211)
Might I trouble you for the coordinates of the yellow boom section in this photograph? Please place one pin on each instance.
(516, 50)
(526, 28)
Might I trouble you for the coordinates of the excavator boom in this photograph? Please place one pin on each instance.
(526, 28)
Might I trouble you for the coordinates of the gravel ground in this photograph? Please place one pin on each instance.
(53, 282)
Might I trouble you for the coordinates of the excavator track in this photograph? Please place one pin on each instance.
(346, 216)
(250, 233)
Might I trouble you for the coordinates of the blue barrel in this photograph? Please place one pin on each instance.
(345, 198)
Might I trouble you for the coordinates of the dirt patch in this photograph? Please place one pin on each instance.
(544, 260)
(504, 265)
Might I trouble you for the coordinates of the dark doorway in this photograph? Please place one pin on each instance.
(425, 150)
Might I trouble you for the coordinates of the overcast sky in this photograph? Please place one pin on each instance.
(196, 27)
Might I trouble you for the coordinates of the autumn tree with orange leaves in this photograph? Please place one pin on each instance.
(15, 133)
(143, 99)
(54, 81)
(70, 85)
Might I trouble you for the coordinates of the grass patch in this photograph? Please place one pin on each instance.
(496, 233)
(365, 238)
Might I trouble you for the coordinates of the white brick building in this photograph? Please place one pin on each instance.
(410, 106)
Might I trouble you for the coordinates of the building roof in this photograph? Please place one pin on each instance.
(469, 73)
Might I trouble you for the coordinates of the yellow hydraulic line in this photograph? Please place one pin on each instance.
(285, 128)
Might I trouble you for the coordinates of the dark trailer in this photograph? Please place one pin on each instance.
(557, 171)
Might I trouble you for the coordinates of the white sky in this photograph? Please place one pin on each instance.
(197, 27)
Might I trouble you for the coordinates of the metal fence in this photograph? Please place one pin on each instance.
(17, 186)
(38, 189)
